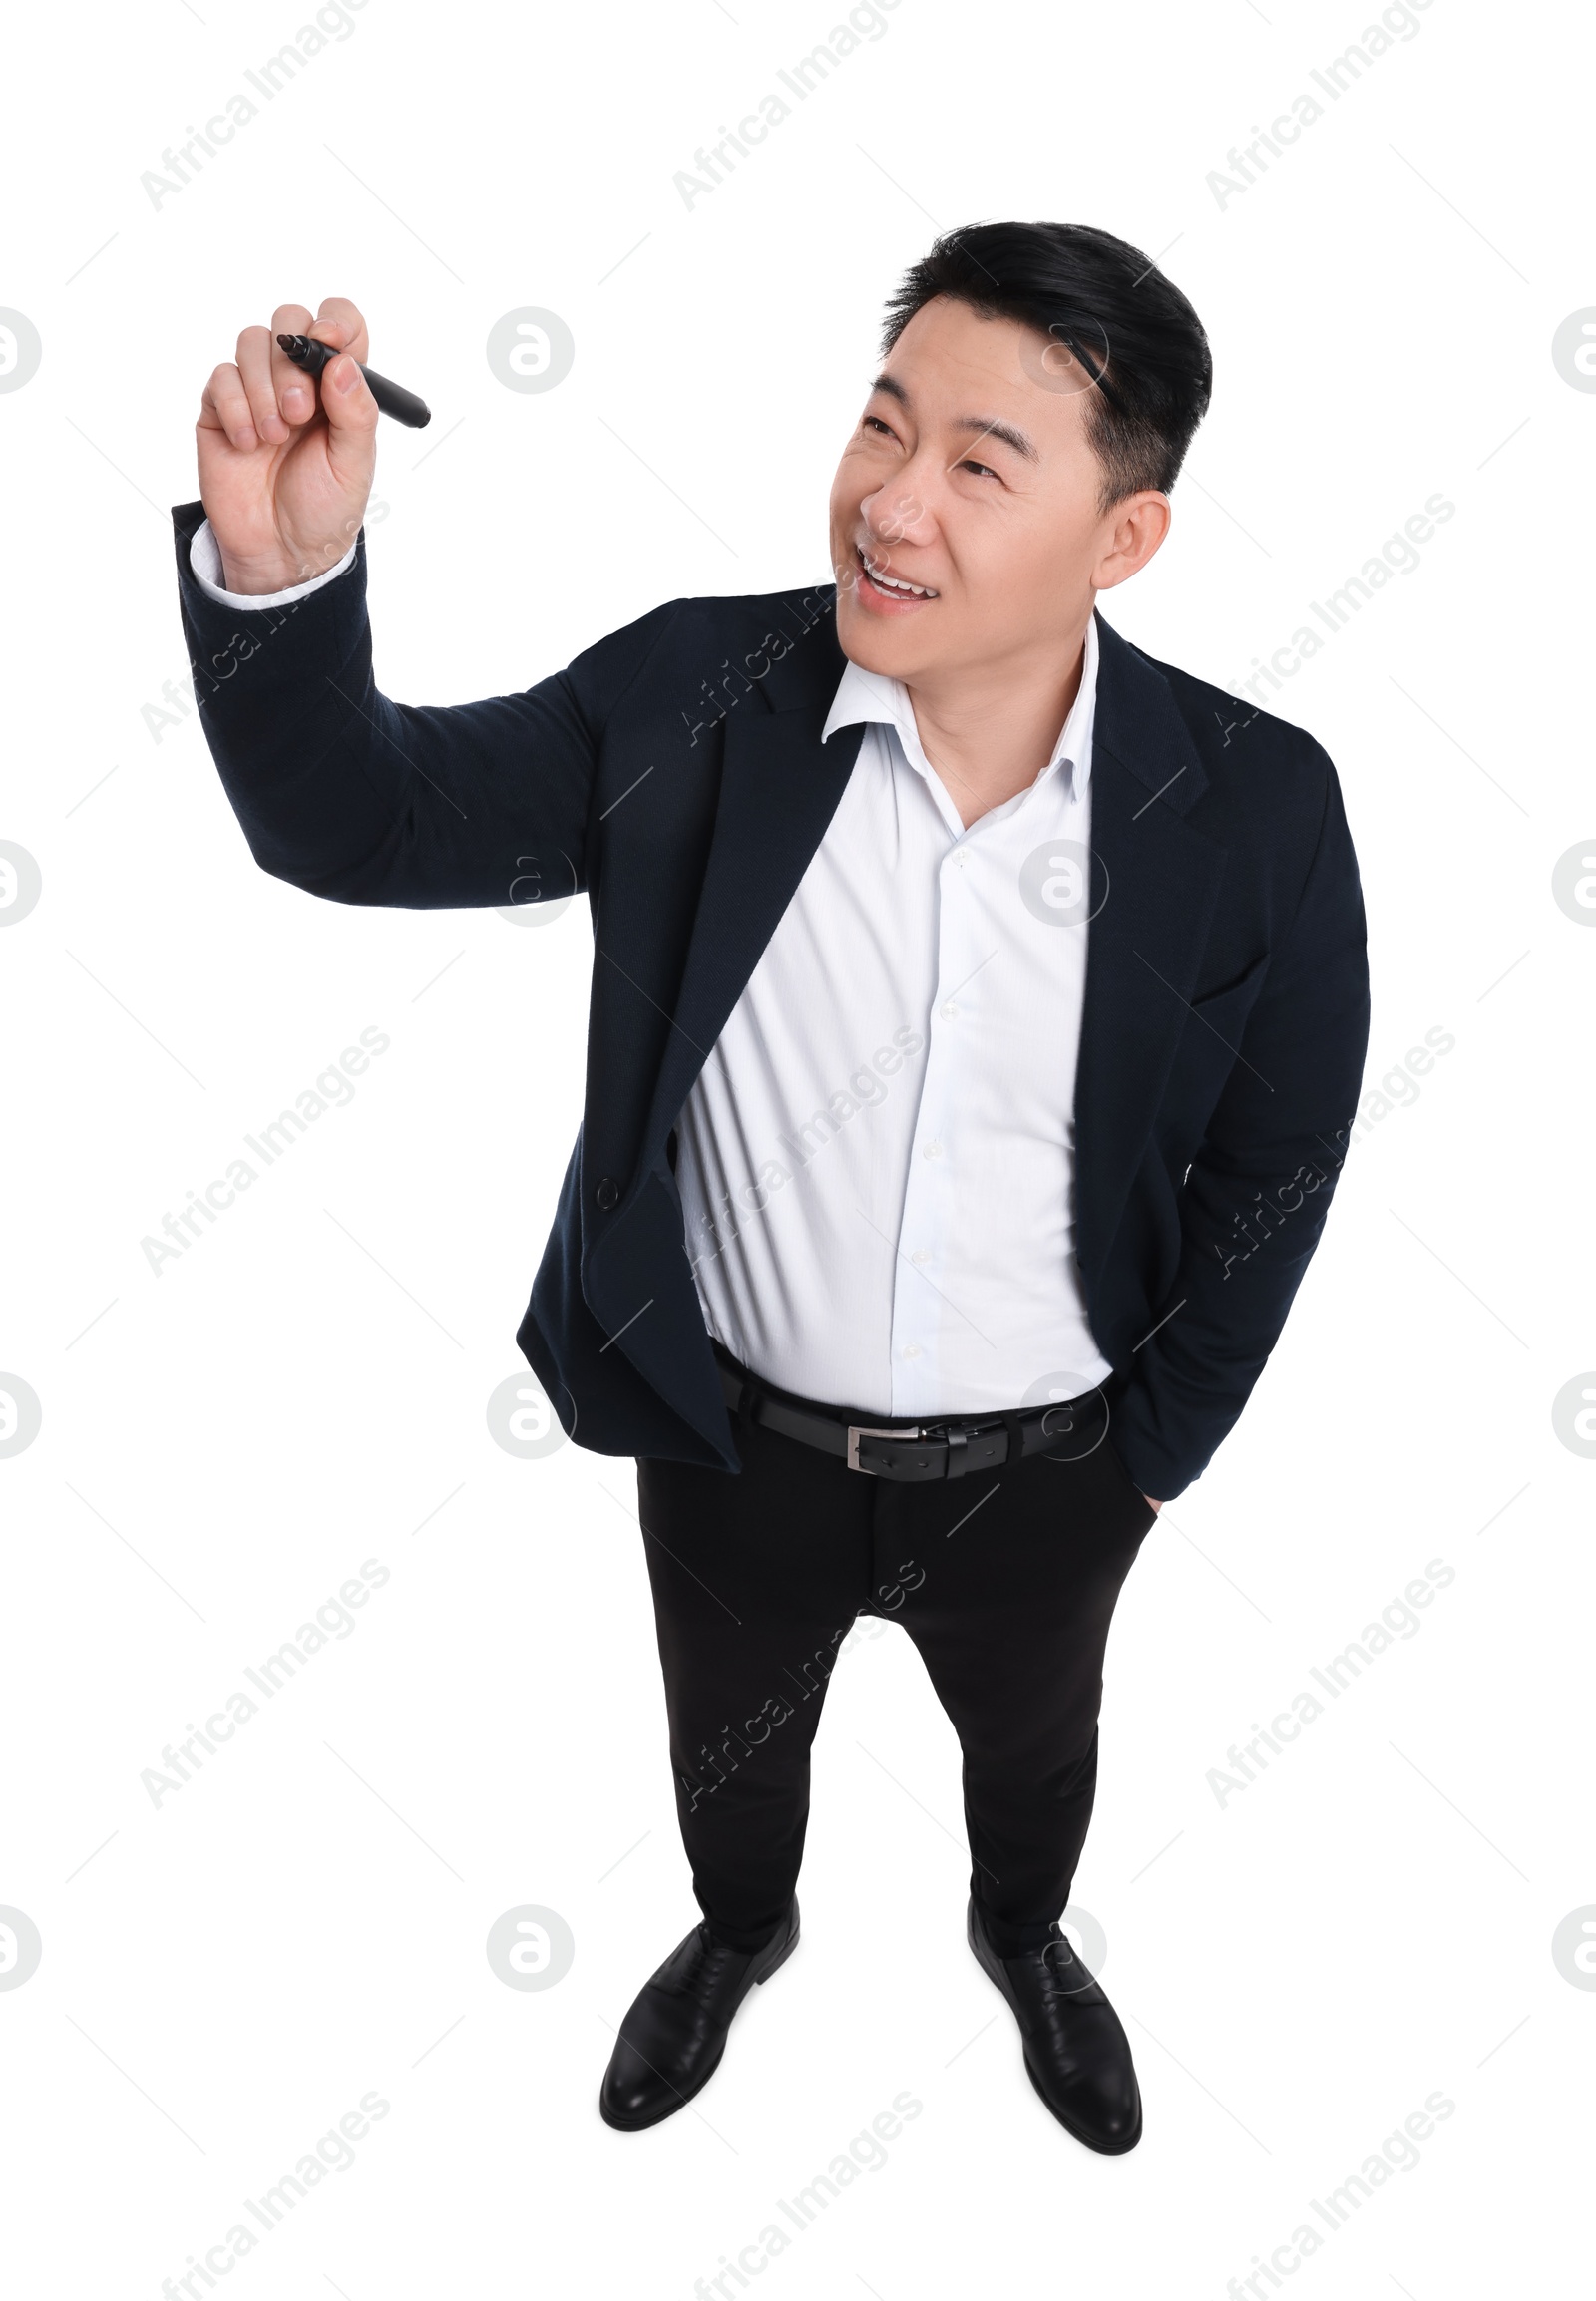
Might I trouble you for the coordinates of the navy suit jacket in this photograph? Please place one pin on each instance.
(675, 773)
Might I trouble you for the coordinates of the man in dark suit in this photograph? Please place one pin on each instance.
(977, 1013)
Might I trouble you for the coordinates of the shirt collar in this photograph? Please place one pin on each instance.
(871, 696)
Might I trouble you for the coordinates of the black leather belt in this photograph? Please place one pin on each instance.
(949, 1448)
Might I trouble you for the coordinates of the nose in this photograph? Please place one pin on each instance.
(897, 514)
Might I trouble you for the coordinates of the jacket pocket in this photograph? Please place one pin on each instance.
(1209, 1047)
(1231, 1003)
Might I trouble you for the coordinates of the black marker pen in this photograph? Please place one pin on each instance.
(391, 398)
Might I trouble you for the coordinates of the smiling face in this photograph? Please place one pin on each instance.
(967, 529)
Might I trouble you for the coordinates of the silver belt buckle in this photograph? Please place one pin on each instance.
(858, 1431)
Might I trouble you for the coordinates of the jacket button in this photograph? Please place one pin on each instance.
(607, 1193)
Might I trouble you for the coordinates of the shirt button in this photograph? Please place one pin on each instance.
(911, 1350)
(921, 1255)
(950, 1010)
(933, 1150)
(608, 1194)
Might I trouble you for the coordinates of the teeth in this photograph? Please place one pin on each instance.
(891, 582)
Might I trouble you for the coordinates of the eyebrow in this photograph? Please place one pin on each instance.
(988, 426)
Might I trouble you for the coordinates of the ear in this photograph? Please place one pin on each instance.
(1131, 532)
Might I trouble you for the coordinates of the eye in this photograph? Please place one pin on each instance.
(869, 423)
(969, 464)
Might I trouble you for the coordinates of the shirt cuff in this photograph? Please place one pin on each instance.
(205, 558)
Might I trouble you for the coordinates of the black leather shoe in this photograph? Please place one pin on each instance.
(672, 2038)
(1076, 2053)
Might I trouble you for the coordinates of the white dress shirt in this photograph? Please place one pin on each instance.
(877, 1162)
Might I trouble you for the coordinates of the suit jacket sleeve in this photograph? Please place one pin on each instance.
(1260, 1185)
(351, 796)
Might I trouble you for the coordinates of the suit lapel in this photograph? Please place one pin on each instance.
(779, 788)
(1145, 944)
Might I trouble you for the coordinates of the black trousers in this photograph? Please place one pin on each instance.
(1007, 1584)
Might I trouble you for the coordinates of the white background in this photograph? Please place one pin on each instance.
(1368, 1922)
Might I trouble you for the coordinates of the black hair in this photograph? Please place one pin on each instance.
(1137, 336)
